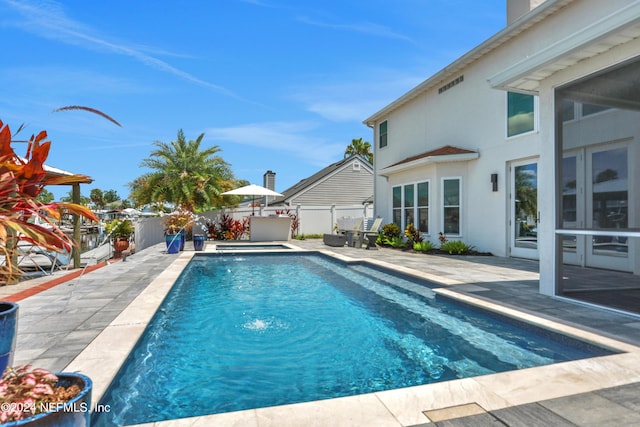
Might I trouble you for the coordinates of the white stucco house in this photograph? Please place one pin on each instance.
(528, 145)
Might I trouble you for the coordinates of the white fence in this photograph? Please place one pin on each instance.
(312, 220)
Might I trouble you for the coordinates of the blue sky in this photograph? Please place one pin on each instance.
(278, 85)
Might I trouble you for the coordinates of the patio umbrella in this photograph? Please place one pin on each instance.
(253, 191)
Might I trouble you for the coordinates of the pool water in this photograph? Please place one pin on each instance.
(249, 247)
(246, 331)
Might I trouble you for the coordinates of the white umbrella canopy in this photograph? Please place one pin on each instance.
(251, 190)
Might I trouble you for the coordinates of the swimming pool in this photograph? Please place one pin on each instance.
(256, 315)
(231, 247)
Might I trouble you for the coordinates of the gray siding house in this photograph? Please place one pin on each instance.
(347, 182)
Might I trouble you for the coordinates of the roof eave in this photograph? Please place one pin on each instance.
(525, 75)
(391, 170)
(536, 15)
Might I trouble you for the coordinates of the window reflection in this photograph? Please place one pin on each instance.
(610, 199)
(526, 205)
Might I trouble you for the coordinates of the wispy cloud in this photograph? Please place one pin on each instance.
(70, 80)
(354, 100)
(291, 137)
(257, 3)
(47, 19)
(368, 28)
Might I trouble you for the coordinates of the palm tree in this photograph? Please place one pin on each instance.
(358, 146)
(183, 174)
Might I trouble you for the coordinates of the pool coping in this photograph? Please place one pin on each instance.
(104, 356)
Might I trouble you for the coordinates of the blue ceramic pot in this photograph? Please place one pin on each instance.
(8, 329)
(74, 413)
(173, 243)
(198, 242)
(183, 236)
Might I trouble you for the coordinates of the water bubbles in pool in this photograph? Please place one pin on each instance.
(257, 325)
(261, 325)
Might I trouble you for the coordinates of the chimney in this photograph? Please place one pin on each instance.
(269, 181)
(517, 8)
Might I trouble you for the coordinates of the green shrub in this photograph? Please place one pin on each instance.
(456, 247)
(413, 235)
(307, 236)
(396, 242)
(390, 231)
(120, 228)
(424, 246)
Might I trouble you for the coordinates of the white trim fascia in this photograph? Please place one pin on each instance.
(600, 29)
(425, 161)
(528, 20)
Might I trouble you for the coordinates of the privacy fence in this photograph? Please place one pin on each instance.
(312, 220)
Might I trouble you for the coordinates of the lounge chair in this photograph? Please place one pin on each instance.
(371, 234)
(33, 257)
(354, 232)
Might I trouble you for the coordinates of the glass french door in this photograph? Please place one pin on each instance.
(607, 201)
(600, 173)
(524, 212)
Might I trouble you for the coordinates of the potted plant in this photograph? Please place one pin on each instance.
(179, 222)
(8, 329)
(37, 397)
(120, 231)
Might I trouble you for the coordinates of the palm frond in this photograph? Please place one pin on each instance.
(89, 109)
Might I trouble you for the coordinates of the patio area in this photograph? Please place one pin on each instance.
(59, 323)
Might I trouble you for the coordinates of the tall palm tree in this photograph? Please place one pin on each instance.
(184, 174)
(358, 146)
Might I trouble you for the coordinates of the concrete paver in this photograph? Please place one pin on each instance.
(56, 324)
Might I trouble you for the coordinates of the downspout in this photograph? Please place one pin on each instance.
(372, 126)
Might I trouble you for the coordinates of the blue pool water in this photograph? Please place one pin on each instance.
(245, 331)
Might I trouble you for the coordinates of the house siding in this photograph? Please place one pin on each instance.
(345, 186)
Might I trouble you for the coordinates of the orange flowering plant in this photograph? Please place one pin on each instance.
(22, 216)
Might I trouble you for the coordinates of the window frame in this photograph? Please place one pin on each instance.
(400, 211)
(444, 206)
(535, 116)
(385, 134)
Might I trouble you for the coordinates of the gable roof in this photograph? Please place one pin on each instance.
(306, 183)
(446, 153)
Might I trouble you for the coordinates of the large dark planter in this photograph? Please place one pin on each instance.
(336, 240)
(74, 413)
(198, 242)
(8, 329)
(173, 243)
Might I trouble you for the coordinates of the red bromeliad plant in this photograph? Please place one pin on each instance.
(22, 216)
(227, 228)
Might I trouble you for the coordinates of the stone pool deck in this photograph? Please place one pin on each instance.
(60, 328)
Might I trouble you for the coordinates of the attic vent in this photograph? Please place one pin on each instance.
(451, 84)
(356, 166)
